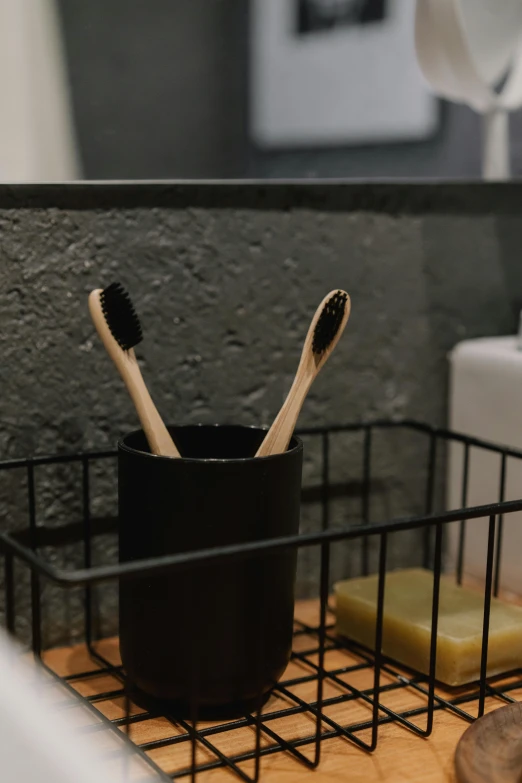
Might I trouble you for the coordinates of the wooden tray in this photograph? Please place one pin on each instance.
(401, 756)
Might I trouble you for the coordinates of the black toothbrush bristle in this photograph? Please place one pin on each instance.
(121, 316)
(329, 322)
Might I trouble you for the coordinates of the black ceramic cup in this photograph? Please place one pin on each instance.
(218, 633)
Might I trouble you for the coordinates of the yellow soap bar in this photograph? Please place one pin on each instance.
(407, 624)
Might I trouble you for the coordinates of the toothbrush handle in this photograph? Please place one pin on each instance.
(280, 433)
(155, 430)
(157, 434)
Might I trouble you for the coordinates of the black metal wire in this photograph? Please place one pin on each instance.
(430, 490)
(315, 660)
(258, 655)
(87, 537)
(365, 499)
(487, 612)
(500, 529)
(106, 723)
(437, 566)
(36, 624)
(323, 606)
(378, 639)
(464, 502)
(325, 484)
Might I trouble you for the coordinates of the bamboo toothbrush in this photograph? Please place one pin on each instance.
(120, 330)
(323, 335)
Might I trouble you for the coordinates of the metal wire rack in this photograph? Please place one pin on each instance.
(329, 679)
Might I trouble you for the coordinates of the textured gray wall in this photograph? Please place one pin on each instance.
(225, 294)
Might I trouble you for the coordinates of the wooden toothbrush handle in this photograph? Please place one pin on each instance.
(334, 312)
(157, 434)
(280, 433)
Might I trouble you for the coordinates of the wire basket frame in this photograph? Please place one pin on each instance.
(327, 660)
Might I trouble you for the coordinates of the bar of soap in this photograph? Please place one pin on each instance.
(407, 624)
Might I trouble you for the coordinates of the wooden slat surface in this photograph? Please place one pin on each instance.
(401, 756)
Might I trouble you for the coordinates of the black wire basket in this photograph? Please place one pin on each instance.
(320, 658)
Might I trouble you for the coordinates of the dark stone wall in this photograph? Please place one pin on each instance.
(226, 279)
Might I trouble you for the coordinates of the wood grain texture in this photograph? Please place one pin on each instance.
(280, 433)
(401, 756)
(491, 749)
(158, 436)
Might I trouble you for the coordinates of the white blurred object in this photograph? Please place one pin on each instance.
(349, 84)
(36, 129)
(486, 379)
(39, 732)
(465, 49)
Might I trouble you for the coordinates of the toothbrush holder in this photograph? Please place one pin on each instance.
(214, 635)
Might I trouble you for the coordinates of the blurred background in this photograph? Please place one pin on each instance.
(185, 89)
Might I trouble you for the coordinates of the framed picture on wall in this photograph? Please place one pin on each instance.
(336, 72)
